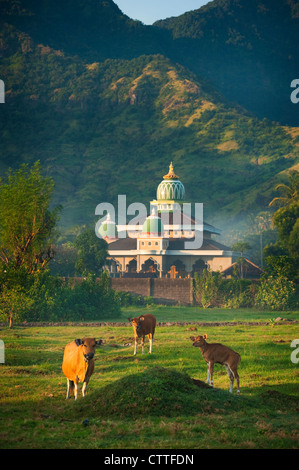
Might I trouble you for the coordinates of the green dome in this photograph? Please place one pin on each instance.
(171, 190)
(153, 225)
(108, 228)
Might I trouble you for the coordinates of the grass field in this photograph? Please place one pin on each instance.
(150, 401)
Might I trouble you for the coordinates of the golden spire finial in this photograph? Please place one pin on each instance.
(171, 175)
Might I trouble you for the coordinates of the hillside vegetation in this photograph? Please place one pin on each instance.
(107, 122)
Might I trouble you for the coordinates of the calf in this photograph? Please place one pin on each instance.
(142, 326)
(216, 353)
(78, 363)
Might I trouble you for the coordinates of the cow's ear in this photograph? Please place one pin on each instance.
(130, 319)
(192, 338)
(205, 336)
(141, 319)
(78, 342)
(99, 342)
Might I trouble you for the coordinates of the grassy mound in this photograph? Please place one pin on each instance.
(156, 392)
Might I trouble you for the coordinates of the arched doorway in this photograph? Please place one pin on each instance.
(150, 267)
(131, 267)
(115, 268)
(198, 267)
(177, 270)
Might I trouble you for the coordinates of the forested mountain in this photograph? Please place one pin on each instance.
(105, 105)
(249, 50)
(91, 29)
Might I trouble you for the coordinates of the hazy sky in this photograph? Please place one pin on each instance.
(148, 11)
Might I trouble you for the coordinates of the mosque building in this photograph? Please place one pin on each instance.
(164, 244)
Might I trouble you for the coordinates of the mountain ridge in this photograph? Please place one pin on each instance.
(87, 118)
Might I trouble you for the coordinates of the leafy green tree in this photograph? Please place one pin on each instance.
(14, 305)
(92, 252)
(286, 220)
(289, 192)
(241, 247)
(276, 293)
(27, 225)
(283, 256)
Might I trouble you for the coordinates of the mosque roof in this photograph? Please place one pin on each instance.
(128, 244)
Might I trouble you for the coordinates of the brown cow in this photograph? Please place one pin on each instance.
(216, 353)
(144, 325)
(78, 363)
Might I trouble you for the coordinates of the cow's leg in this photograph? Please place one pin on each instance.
(231, 377)
(84, 388)
(70, 386)
(151, 339)
(142, 344)
(208, 371)
(236, 376)
(76, 388)
(211, 368)
(136, 342)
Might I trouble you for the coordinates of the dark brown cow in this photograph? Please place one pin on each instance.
(78, 363)
(214, 353)
(144, 325)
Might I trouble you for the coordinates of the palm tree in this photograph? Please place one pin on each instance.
(289, 193)
(241, 247)
(263, 220)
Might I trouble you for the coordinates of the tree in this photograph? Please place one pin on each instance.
(92, 252)
(263, 220)
(27, 225)
(286, 220)
(289, 193)
(241, 247)
(14, 305)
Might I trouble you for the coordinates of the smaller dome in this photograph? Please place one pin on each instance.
(108, 228)
(171, 188)
(153, 225)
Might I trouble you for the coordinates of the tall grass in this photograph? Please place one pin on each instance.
(151, 401)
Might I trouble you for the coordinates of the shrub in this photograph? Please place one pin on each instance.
(276, 293)
(126, 299)
(206, 288)
(50, 299)
(211, 290)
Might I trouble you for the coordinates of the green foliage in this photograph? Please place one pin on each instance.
(91, 299)
(227, 40)
(286, 219)
(276, 293)
(91, 252)
(150, 402)
(281, 266)
(211, 290)
(157, 392)
(241, 247)
(206, 288)
(27, 225)
(282, 258)
(94, 114)
(64, 261)
(14, 305)
(43, 297)
(289, 192)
